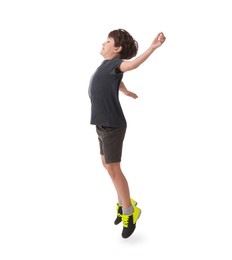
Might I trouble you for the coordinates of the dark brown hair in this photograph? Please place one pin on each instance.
(126, 41)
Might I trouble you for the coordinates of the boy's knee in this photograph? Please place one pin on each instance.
(112, 168)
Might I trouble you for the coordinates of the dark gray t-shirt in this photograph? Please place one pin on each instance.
(103, 92)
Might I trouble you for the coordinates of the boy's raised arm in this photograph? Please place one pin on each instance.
(133, 64)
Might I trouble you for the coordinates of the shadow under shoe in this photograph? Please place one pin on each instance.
(119, 212)
(129, 222)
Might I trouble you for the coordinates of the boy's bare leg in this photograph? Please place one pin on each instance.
(119, 181)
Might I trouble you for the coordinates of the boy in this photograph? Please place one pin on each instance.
(108, 116)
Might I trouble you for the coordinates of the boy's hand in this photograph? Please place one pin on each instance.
(159, 40)
(131, 94)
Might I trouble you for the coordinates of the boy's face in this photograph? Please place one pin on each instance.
(109, 51)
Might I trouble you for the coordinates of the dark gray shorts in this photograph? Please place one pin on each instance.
(111, 142)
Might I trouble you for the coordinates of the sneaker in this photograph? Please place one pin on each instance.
(119, 212)
(129, 222)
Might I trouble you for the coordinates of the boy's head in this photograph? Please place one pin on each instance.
(126, 41)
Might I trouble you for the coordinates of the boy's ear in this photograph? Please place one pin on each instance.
(118, 49)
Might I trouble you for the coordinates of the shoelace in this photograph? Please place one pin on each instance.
(125, 219)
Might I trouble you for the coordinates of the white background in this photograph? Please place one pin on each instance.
(56, 201)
